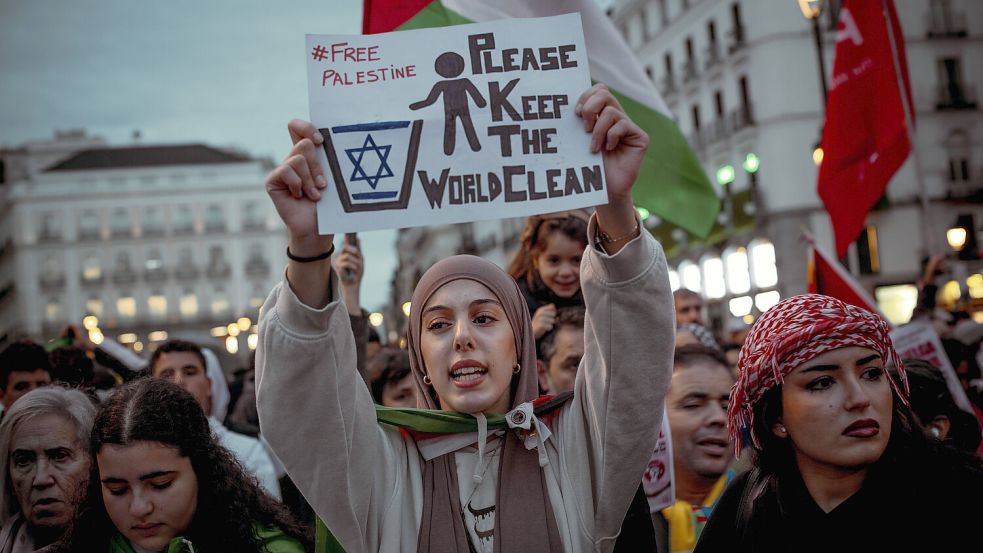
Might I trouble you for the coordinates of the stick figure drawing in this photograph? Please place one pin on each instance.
(455, 91)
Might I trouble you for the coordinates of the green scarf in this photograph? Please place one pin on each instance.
(420, 422)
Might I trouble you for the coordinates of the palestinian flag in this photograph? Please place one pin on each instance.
(672, 183)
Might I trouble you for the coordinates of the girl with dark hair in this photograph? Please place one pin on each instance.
(483, 464)
(547, 265)
(839, 464)
(162, 483)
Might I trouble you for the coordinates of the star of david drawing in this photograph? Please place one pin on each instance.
(356, 156)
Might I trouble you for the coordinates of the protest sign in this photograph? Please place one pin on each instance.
(918, 340)
(452, 124)
(659, 480)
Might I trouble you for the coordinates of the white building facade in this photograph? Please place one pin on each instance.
(152, 241)
(742, 78)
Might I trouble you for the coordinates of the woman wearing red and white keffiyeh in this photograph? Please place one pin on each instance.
(837, 457)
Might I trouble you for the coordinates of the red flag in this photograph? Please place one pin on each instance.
(826, 276)
(865, 138)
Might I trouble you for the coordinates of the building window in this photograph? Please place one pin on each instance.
(718, 104)
(88, 225)
(257, 298)
(152, 222)
(689, 274)
(93, 306)
(252, 216)
(91, 267)
(52, 311)
(737, 23)
(188, 304)
(713, 277)
(867, 252)
(214, 218)
(184, 219)
(126, 307)
(220, 303)
(50, 226)
(120, 222)
(952, 92)
(696, 117)
(155, 261)
(157, 305)
(763, 269)
(738, 272)
(958, 152)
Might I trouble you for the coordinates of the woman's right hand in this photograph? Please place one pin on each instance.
(543, 320)
(295, 186)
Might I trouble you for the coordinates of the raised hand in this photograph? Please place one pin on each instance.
(623, 145)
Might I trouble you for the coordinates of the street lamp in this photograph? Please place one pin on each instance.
(811, 10)
(956, 237)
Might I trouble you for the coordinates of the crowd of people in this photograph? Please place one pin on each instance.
(521, 415)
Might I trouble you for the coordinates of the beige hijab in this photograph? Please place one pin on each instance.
(524, 517)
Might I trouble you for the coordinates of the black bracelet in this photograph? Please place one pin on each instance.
(318, 257)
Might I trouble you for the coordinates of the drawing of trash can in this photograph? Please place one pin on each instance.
(372, 164)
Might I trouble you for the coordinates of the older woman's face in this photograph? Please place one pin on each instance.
(468, 348)
(836, 410)
(48, 467)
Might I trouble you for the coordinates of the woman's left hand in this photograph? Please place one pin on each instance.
(616, 136)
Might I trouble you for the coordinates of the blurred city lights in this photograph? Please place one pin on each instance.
(244, 323)
(406, 308)
(375, 319)
(751, 163)
(725, 175)
(252, 341)
(90, 322)
(232, 345)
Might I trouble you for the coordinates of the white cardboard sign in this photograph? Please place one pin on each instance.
(918, 340)
(452, 124)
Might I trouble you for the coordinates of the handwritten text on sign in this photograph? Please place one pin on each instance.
(452, 124)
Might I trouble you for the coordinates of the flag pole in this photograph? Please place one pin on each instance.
(910, 129)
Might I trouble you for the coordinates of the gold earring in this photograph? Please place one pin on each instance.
(427, 381)
(517, 368)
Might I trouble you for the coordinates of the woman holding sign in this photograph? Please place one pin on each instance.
(482, 466)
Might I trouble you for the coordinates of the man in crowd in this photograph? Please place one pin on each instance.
(184, 364)
(45, 461)
(561, 350)
(689, 307)
(24, 366)
(696, 408)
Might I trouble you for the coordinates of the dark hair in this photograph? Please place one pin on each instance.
(172, 346)
(534, 238)
(374, 335)
(231, 503)
(22, 356)
(686, 293)
(565, 317)
(692, 354)
(930, 397)
(392, 365)
(71, 365)
(908, 451)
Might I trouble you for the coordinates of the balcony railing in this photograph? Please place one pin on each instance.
(712, 55)
(88, 234)
(667, 86)
(955, 96)
(689, 71)
(124, 276)
(92, 281)
(722, 128)
(219, 270)
(945, 24)
(257, 267)
(52, 281)
(186, 272)
(737, 39)
(155, 275)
